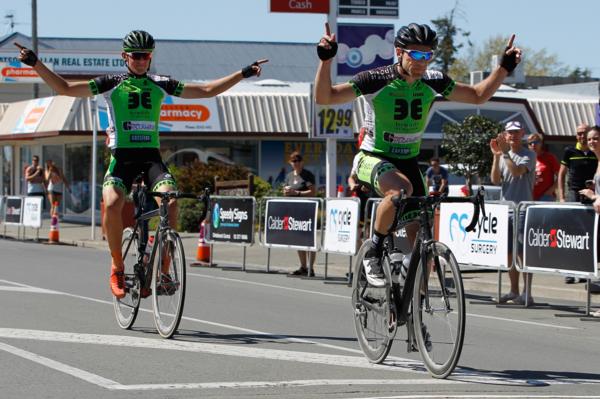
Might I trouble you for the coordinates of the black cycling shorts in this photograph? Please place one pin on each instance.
(128, 163)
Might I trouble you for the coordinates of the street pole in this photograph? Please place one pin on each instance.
(331, 144)
(93, 106)
(34, 41)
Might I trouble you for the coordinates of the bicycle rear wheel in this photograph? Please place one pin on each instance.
(168, 283)
(374, 312)
(439, 310)
(126, 308)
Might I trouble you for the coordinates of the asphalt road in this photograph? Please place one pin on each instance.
(256, 335)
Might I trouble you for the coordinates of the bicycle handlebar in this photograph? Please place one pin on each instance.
(432, 201)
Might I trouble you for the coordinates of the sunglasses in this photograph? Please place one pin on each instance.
(533, 142)
(419, 55)
(140, 56)
(295, 160)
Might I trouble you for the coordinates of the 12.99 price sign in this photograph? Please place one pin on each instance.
(333, 121)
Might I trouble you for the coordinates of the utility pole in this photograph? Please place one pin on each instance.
(34, 41)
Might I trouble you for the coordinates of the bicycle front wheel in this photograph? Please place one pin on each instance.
(168, 283)
(439, 310)
(126, 308)
(374, 312)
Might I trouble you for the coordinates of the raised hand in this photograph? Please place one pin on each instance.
(512, 55)
(327, 47)
(253, 69)
(26, 56)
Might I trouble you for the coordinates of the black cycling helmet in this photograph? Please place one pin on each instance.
(138, 40)
(416, 34)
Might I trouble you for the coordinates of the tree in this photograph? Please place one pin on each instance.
(445, 27)
(466, 146)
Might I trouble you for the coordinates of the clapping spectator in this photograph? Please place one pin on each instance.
(514, 168)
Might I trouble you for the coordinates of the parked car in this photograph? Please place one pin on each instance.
(457, 186)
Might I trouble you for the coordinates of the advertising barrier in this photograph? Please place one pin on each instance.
(291, 223)
(13, 210)
(341, 225)
(232, 220)
(487, 245)
(32, 212)
(561, 239)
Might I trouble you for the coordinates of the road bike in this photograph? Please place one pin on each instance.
(426, 295)
(154, 265)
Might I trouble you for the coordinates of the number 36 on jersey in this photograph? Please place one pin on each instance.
(333, 121)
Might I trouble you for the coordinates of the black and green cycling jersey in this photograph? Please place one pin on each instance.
(396, 111)
(134, 107)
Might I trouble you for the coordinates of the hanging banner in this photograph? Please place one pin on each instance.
(362, 47)
(32, 115)
(333, 122)
(341, 225)
(177, 115)
(13, 210)
(232, 220)
(487, 245)
(291, 223)
(303, 6)
(17, 72)
(32, 212)
(561, 238)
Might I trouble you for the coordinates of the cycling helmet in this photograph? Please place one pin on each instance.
(416, 34)
(138, 40)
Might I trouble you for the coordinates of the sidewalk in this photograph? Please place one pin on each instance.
(549, 287)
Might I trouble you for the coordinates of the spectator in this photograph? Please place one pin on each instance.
(301, 183)
(34, 175)
(546, 169)
(593, 193)
(436, 176)
(55, 180)
(514, 169)
(579, 163)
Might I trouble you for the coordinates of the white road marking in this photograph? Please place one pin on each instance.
(533, 323)
(73, 371)
(485, 395)
(200, 347)
(29, 290)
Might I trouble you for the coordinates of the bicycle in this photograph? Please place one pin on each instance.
(159, 273)
(429, 301)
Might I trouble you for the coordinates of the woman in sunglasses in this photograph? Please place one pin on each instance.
(398, 98)
(134, 99)
(546, 169)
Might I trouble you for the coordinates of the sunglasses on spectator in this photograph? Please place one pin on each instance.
(418, 55)
(295, 160)
(140, 56)
(533, 142)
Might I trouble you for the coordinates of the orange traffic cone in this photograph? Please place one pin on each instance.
(53, 235)
(203, 252)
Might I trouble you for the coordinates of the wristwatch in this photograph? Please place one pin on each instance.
(506, 155)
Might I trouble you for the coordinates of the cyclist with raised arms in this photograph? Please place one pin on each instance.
(134, 99)
(398, 99)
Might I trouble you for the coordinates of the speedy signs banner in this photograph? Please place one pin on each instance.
(561, 239)
(178, 115)
(32, 115)
(291, 223)
(232, 219)
(487, 245)
(341, 225)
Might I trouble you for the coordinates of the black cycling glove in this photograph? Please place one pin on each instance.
(509, 61)
(248, 71)
(29, 58)
(327, 54)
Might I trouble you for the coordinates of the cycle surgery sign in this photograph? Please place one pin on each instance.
(291, 223)
(487, 245)
(232, 220)
(341, 225)
(561, 238)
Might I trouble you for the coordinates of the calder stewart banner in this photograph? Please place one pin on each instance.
(291, 223)
(560, 238)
